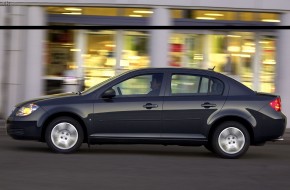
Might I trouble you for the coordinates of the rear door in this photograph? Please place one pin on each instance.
(190, 100)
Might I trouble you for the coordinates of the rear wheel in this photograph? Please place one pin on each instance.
(230, 140)
(64, 135)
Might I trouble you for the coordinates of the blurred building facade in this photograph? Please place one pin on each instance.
(40, 62)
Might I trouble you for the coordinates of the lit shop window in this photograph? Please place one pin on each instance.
(269, 17)
(177, 13)
(100, 60)
(214, 15)
(101, 11)
(95, 11)
(233, 54)
(186, 50)
(135, 50)
(268, 64)
(136, 12)
(225, 15)
(59, 59)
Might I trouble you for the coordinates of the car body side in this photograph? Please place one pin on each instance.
(238, 103)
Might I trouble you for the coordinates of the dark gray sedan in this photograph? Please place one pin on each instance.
(169, 106)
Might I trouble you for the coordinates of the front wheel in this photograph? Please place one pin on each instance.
(64, 135)
(230, 140)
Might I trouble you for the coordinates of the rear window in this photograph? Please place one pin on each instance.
(182, 84)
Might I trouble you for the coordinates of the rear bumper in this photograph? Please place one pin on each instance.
(279, 139)
(272, 130)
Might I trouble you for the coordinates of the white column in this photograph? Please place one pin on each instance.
(159, 41)
(257, 63)
(283, 66)
(206, 51)
(34, 62)
(2, 54)
(14, 65)
(81, 46)
(119, 51)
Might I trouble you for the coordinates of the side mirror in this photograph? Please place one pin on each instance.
(110, 93)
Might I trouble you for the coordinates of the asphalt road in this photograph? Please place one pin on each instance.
(31, 165)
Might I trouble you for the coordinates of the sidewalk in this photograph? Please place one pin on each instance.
(2, 127)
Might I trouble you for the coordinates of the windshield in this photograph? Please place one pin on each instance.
(93, 88)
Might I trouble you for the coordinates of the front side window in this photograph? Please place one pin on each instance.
(195, 85)
(142, 85)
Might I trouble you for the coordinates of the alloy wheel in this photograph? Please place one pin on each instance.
(231, 140)
(64, 135)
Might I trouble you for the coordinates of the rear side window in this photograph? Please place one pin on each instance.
(182, 84)
(216, 87)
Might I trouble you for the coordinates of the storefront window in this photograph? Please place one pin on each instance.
(217, 52)
(268, 64)
(135, 50)
(214, 15)
(136, 12)
(59, 59)
(101, 11)
(176, 13)
(233, 54)
(248, 16)
(186, 50)
(269, 17)
(224, 15)
(100, 60)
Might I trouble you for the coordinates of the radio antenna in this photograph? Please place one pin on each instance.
(211, 69)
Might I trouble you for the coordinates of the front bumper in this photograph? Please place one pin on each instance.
(23, 130)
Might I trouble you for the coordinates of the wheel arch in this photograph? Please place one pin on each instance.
(63, 114)
(238, 119)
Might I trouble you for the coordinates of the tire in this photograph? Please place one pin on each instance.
(230, 140)
(64, 135)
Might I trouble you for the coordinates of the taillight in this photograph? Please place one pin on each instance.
(276, 104)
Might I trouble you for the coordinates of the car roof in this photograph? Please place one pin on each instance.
(174, 69)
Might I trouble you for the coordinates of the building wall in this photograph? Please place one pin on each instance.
(25, 51)
(283, 66)
(2, 49)
(23, 55)
(277, 5)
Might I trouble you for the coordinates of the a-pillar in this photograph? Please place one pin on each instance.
(159, 39)
(283, 65)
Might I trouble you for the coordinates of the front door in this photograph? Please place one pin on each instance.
(135, 111)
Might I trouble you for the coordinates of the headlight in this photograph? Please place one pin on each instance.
(27, 110)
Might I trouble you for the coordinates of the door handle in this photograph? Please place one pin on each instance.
(150, 106)
(208, 105)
